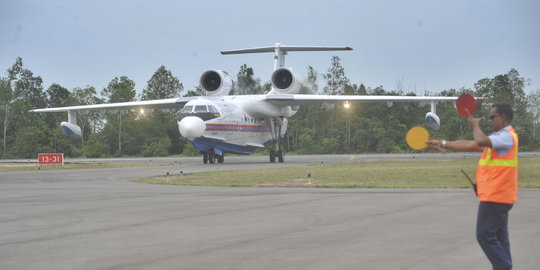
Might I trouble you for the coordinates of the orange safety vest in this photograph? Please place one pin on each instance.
(497, 176)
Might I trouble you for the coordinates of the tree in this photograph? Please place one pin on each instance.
(32, 139)
(335, 78)
(361, 90)
(310, 85)
(87, 96)
(508, 88)
(58, 96)
(20, 92)
(533, 102)
(197, 92)
(120, 90)
(336, 82)
(26, 86)
(162, 85)
(300, 123)
(156, 148)
(95, 147)
(6, 98)
(246, 84)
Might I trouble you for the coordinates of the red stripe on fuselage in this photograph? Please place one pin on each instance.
(238, 128)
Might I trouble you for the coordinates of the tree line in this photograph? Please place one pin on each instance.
(363, 128)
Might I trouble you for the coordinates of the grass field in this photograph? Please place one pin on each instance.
(382, 174)
(32, 166)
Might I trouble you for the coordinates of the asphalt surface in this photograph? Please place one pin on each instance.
(99, 219)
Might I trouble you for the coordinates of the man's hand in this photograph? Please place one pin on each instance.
(472, 121)
(479, 137)
(436, 144)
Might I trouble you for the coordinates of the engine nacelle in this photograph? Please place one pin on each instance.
(433, 121)
(215, 83)
(71, 130)
(286, 81)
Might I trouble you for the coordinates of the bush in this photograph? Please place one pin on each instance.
(190, 150)
(156, 148)
(94, 148)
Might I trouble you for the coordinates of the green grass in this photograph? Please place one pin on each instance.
(382, 174)
(32, 166)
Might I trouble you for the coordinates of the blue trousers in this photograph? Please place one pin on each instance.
(492, 233)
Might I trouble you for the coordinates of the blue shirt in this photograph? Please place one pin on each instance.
(502, 140)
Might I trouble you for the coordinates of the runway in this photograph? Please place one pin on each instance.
(99, 219)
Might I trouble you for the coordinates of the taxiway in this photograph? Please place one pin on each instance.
(99, 219)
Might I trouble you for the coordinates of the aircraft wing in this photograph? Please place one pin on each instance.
(159, 103)
(292, 100)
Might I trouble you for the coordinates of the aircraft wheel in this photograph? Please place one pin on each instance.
(211, 158)
(205, 158)
(272, 156)
(220, 158)
(280, 156)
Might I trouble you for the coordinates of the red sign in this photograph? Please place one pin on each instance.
(51, 159)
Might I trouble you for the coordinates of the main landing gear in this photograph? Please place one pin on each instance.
(275, 127)
(211, 157)
(276, 154)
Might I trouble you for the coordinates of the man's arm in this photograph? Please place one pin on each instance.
(461, 145)
(479, 136)
(480, 139)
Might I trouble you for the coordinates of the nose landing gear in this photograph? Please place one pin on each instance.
(211, 157)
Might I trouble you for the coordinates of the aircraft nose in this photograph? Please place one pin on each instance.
(191, 127)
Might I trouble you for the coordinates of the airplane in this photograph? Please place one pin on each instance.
(220, 123)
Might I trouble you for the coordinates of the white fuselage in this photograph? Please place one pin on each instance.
(241, 124)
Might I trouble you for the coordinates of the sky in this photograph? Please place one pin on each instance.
(415, 45)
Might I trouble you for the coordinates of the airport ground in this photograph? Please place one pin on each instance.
(100, 219)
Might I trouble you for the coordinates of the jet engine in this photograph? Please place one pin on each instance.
(216, 82)
(286, 81)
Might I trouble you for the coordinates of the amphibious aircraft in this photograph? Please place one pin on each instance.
(220, 123)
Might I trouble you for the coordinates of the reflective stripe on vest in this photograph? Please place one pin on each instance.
(497, 176)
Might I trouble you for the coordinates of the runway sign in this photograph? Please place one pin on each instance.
(51, 159)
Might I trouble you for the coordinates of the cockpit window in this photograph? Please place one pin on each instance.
(200, 108)
(203, 111)
(187, 109)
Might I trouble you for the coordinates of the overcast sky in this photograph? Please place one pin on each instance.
(423, 44)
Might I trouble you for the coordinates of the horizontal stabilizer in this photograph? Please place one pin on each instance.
(251, 50)
(285, 48)
(281, 50)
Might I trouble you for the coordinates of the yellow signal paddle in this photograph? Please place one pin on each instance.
(417, 138)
